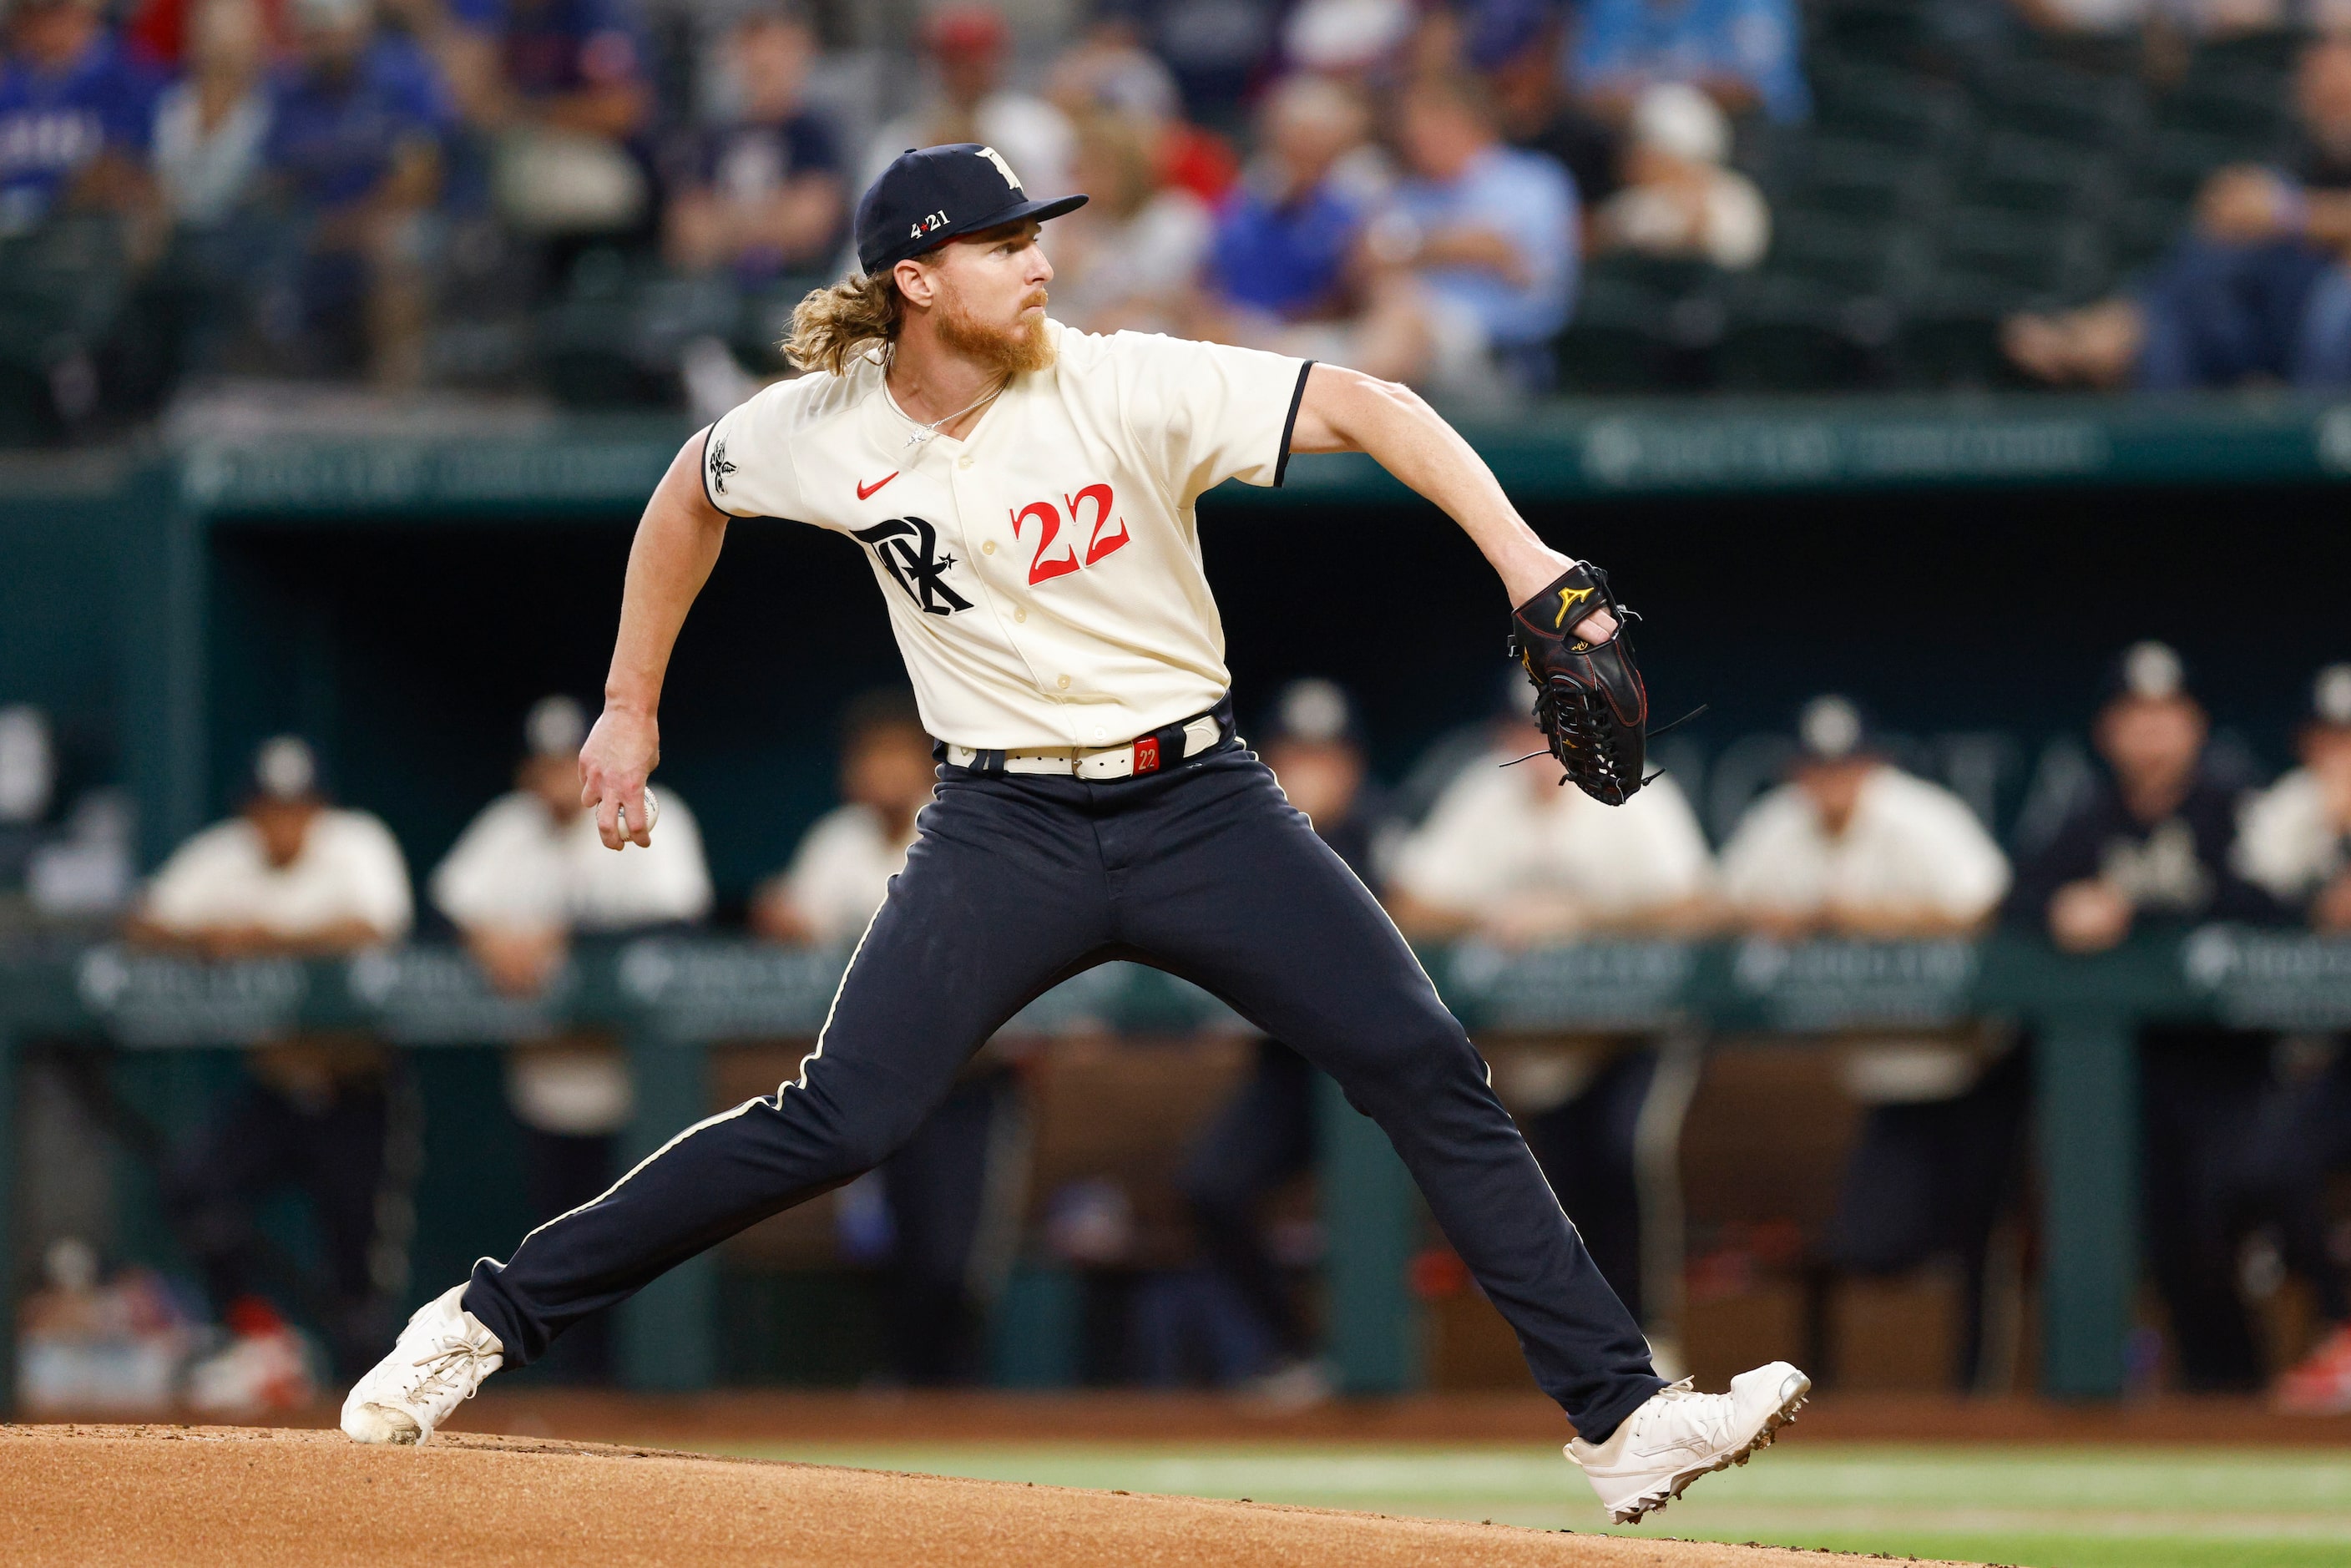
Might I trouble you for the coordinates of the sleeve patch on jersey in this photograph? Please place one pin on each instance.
(715, 468)
(1297, 396)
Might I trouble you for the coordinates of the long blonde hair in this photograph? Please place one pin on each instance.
(850, 319)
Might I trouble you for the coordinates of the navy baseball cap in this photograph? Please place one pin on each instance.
(929, 195)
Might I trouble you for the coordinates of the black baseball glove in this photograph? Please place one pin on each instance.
(1589, 700)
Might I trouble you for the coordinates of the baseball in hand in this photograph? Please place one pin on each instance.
(652, 813)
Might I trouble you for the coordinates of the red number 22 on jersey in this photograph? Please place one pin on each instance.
(1044, 568)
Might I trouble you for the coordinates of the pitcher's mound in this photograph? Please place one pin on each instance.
(147, 1496)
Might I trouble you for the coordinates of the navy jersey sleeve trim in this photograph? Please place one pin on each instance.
(1297, 396)
(702, 465)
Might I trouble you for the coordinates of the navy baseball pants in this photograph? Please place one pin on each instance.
(1018, 881)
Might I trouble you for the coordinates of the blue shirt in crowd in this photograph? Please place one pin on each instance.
(1641, 41)
(1525, 197)
(1284, 258)
(53, 124)
(333, 137)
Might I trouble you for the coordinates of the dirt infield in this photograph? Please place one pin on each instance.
(263, 1497)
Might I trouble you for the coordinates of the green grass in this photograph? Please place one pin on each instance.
(2041, 1507)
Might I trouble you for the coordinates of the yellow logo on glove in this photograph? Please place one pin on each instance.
(1569, 598)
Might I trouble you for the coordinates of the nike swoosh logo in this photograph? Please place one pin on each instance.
(866, 492)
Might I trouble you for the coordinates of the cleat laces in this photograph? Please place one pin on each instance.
(1708, 1413)
(441, 1370)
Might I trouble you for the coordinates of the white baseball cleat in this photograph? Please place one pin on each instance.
(440, 1358)
(1681, 1435)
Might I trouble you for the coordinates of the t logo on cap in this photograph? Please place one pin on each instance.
(1012, 179)
(928, 196)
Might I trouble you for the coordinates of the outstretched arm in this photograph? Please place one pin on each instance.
(1347, 411)
(677, 544)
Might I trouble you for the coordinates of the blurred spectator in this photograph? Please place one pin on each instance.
(1107, 71)
(1263, 1138)
(211, 125)
(75, 115)
(2152, 843)
(28, 784)
(1356, 41)
(1128, 258)
(2257, 290)
(1215, 49)
(2207, 18)
(161, 33)
(842, 868)
(1679, 200)
(2294, 842)
(966, 43)
(356, 122)
(527, 874)
(943, 1187)
(762, 193)
(288, 877)
(1489, 235)
(531, 871)
(2151, 846)
(1855, 847)
(2293, 839)
(1518, 45)
(62, 871)
(1508, 855)
(561, 88)
(1280, 254)
(1743, 53)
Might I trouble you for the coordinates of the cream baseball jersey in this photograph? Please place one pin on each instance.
(1043, 572)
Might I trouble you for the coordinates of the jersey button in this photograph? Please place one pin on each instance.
(1023, 615)
(964, 461)
(1063, 682)
(988, 548)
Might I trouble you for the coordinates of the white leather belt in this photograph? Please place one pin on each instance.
(1100, 761)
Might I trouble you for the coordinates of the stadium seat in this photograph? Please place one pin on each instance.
(2030, 260)
(765, 320)
(2272, 53)
(2037, 176)
(1851, 256)
(2177, 163)
(2066, 103)
(62, 287)
(1863, 180)
(1621, 340)
(1892, 108)
(1900, 32)
(613, 340)
(1792, 334)
(2248, 112)
(1949, 340)
(2142, 229)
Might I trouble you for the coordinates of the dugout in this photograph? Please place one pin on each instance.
(1965, 569)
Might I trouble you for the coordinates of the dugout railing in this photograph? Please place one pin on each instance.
(674, 1000)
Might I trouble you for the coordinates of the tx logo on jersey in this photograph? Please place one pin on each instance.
(907, 547)
(719, 467)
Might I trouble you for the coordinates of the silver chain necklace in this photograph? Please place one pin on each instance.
(924, 432)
